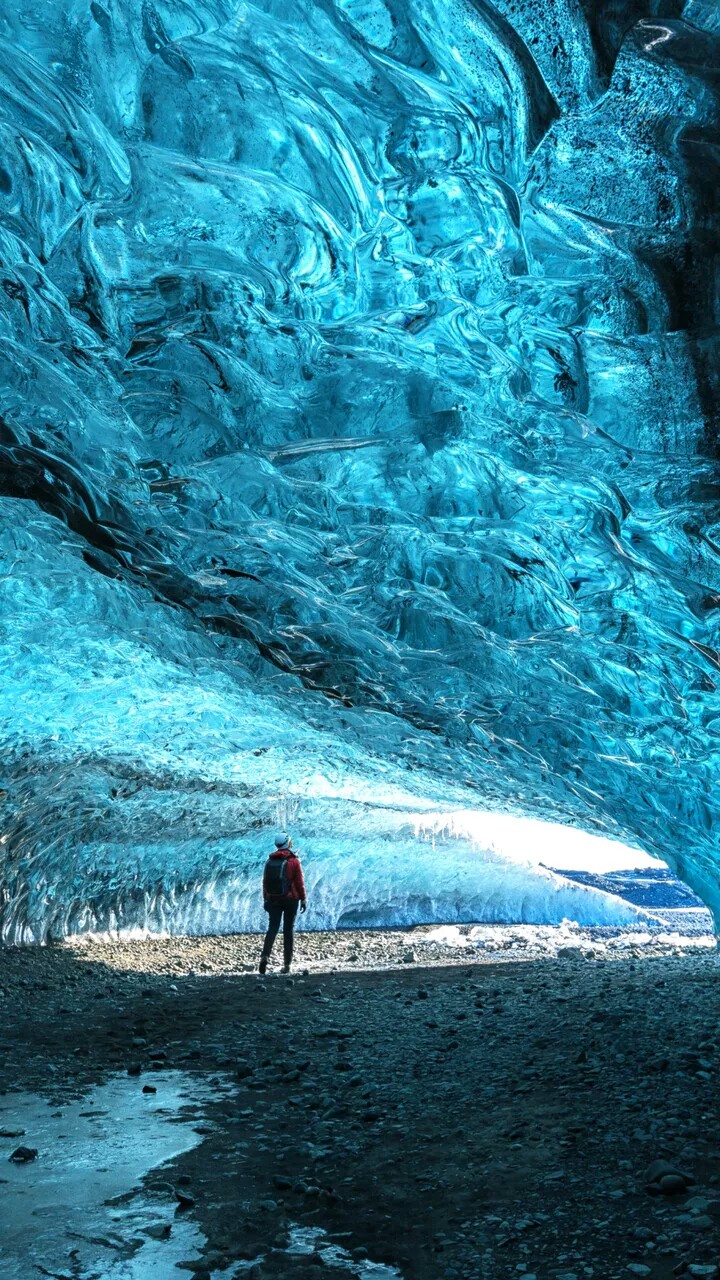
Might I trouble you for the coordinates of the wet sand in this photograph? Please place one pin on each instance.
(456, 1114)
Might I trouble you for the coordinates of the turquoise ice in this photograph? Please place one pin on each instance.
(359, 449)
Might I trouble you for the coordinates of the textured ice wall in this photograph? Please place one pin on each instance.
(358, 447)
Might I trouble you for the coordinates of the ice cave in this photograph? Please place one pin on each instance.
(360, 487)
(358, 452)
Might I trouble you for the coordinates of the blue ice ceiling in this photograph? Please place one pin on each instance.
(358, 453)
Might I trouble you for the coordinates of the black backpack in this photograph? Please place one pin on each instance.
(276, 879)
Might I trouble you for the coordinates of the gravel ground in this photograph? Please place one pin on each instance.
(425, 945)
(460, 1113)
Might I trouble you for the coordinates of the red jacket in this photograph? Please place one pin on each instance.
(294, 876)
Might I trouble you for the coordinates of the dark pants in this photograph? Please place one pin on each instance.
(285, 913)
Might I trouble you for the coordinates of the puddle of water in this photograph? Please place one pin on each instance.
(57, 1219)
(77, 1211)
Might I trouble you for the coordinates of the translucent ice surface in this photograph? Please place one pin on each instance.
(78, 1209)
(358, 451)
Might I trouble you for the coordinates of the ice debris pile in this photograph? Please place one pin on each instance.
(357, 449)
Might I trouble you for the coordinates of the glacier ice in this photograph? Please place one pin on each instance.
(358, 450)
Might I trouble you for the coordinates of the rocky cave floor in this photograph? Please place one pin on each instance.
(452, 1114)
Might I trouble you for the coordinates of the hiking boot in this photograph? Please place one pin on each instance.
(285, 968)
(263, 964)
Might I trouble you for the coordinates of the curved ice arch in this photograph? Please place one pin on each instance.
(358, 410)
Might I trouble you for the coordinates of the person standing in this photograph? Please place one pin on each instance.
(283, 894)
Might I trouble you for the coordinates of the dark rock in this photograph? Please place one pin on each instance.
(659, 1168)
(664, 1178)
(158, 1230)
(23, 1155)
(672, 1184)
(149, 1088)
